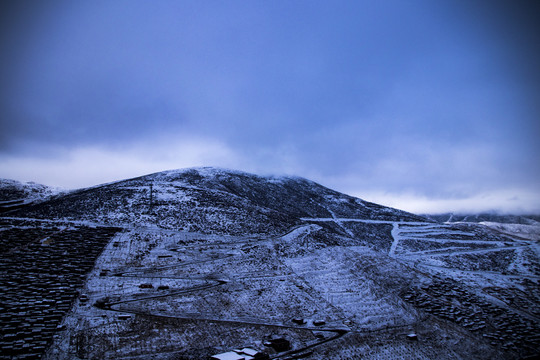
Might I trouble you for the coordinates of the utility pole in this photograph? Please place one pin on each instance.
(151, 204)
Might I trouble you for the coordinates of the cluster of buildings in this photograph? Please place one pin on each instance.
(41, 270)
(501, 326)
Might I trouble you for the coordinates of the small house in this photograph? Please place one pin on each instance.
(412, 337)
(230, 355)
(244, 354)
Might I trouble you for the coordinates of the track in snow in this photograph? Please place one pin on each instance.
(208, 285)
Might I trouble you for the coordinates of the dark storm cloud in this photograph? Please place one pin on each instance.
(435, 99)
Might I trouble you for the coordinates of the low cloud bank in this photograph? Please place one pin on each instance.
(504, 201)
(421, 184)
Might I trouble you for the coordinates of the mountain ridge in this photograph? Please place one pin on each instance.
(13, 190)
(211, 199)
(525, 219)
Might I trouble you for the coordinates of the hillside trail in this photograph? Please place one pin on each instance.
(207, 283)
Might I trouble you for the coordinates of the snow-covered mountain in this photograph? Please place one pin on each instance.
(522, 226)
(14, 194)
(487, 217)
(212, 200)
(12, 190)
(206, 261)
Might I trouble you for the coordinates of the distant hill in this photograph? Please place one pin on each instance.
(522, 226)
(11, 190)
(14, 194)
(486, 217)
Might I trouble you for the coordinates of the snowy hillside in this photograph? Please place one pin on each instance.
(487, 217)
(11, 190)
(531, 232)
(192, 263)
(522, 226)
(14, 194)
(211, 200)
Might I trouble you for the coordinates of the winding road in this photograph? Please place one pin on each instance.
(114, 303)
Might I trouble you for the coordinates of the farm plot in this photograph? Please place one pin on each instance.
(42, 268)
(215, 296)
(426, 246)
(376, 235)
(161, 337)
(496, 260)
(348, 285)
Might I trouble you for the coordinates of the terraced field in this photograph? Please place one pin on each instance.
(211, 261)
(180, 289)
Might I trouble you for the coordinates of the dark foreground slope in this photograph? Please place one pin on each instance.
(42, 267)
(212, 200)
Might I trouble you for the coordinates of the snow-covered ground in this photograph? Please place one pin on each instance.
(15, 193)
(212, 260)
(530, 232)
(186, 287)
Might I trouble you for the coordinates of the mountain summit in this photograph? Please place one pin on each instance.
(213, 200)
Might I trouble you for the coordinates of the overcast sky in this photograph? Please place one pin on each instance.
(424, 105)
